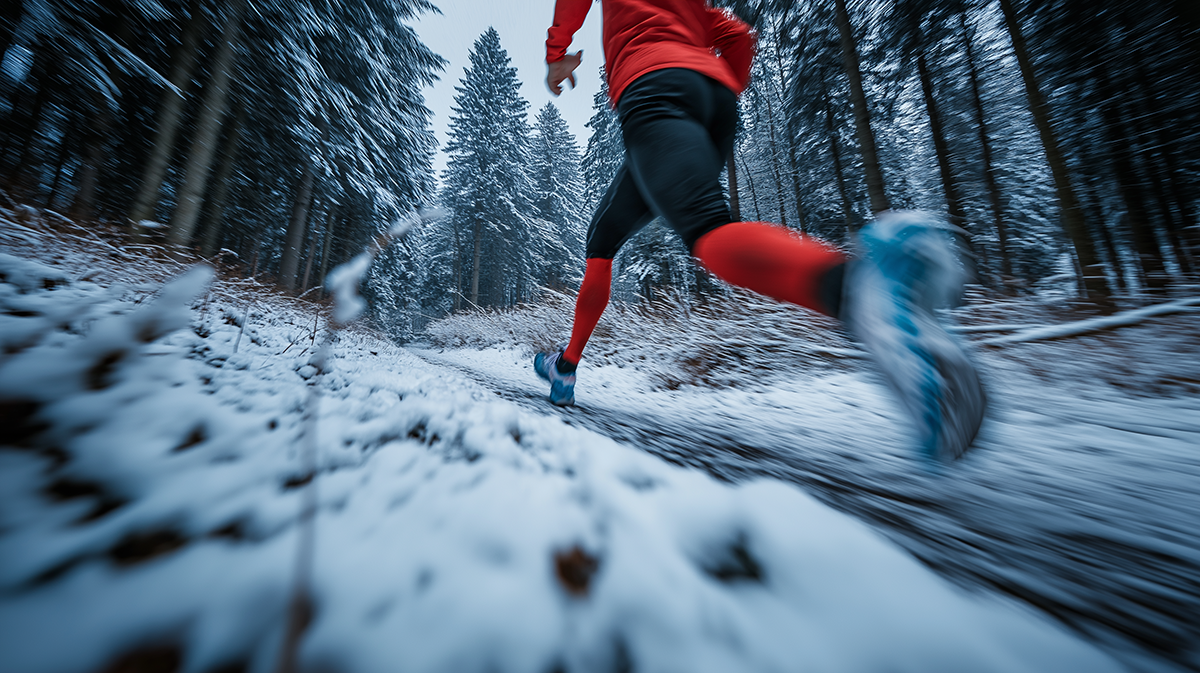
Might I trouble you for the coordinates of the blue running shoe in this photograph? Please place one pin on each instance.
(562, 386)
(907, 268)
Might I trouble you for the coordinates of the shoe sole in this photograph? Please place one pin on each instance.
(950, 409)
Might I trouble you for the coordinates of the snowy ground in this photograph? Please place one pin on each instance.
(152, 480)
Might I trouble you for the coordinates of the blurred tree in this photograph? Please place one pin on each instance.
(214, 203)
(605, 149)
(988, 165)
(168, 116)
(910, 18)
(1093, 280)
(203, 149)
(862, 114)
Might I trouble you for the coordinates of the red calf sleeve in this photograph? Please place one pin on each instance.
(768, 259)
(593, 297)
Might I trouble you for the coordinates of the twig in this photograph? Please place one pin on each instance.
(245, 317)
(347, 306)
(300, 611)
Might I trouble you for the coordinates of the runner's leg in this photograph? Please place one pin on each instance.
(678, 128)
(620, 215)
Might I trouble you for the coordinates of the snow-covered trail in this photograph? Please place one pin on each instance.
(1079, 498)
(153, 474)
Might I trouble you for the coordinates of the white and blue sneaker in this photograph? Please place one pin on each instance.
(907, 268)
(562, 386)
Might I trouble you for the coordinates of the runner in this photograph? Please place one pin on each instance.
(675, 68)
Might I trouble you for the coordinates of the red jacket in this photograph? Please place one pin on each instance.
(642, 36)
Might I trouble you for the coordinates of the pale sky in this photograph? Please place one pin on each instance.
(522, 26)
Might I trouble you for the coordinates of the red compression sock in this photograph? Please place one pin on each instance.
(770, 260)
(592, 299)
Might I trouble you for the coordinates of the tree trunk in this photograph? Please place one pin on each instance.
(308, 263)
(1090, 202)
(84, 204)
(294, 238)
(1161, 171)
(1094, 281)
(1120, 157)
(789, 142)
(95, 154)
(1190, 232)
(753, 193)
(766, 95)
(735, 208)
(167, 122)
(1154, 175)
(940, 145)
(835, 153)
(992, 185)
(794, 165)
(457, 266)
(475, 263)
(64, 153)
(45, 69)
(204, 145)
(211, 231)
(327, 243)
(862, 114)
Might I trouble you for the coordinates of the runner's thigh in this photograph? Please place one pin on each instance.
(677, 126)
(621, 214)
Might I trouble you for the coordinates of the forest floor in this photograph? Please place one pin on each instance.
(735, 490)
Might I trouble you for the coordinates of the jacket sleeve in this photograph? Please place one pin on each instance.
(735, 40)
(568, 18)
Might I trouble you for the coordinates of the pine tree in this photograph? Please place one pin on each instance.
(337, 132)
(862, 115)
(487, 184)
(558, 197)
(1093, 279)
(605, 149)
(203, 148)
(168, 117)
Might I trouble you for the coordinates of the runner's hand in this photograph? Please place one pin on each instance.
(562, 70)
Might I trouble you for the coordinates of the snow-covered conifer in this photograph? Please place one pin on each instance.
(605, 149)
(488, 185)
(558, 196)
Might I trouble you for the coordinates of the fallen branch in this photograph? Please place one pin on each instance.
(975, 329)
(1090, 325)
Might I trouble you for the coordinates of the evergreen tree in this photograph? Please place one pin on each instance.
(558, 197)
(309, 113)
(322, 137)
(1093, 279)
(338, 122)
(605, 149)
(487, 182)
